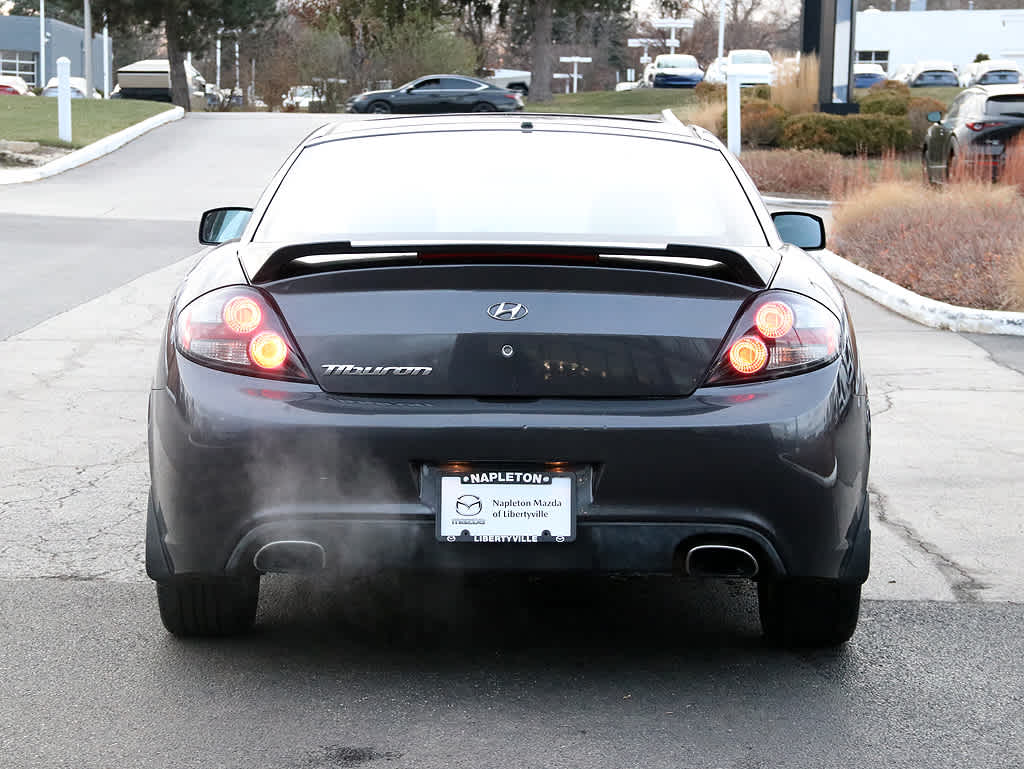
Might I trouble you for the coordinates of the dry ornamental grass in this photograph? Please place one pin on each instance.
(962, 244)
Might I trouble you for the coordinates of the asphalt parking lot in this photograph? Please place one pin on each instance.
(482, 673)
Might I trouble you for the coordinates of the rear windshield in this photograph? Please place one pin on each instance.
(502, 186)
(1009, 106)
(937, 77)
(751, 57)
(999, 76)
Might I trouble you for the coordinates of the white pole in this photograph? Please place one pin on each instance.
(41, 69)
(87, 46)
(252, 82)
(64, 98)
(238, 69)
(732, 106)
(721, 30)
(218, 63)
(575, 76)
(106, 61)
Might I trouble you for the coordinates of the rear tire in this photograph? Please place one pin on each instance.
(210, 606)
(802, 613)
(484, 107)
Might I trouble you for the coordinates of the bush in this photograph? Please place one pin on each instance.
(763, 92)
(848, 135)
(760, 123)
(884, 103)
(709, 92)
(892, 229)
(810, 173)
(917, 114)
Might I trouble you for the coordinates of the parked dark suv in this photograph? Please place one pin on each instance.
(975, 133)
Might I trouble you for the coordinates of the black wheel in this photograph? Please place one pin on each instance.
(208, 606)
(952, 168)
(484, 107)
(808, 613)
(380, 108)
(926, 176)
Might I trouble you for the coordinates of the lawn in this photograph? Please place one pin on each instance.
(641, 101)
(27, 118)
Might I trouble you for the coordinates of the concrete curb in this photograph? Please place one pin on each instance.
(928, 312)
(91, 152)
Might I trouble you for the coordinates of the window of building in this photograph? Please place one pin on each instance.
(20, 63)
(875, 57)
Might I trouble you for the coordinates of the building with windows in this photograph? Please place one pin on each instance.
(897, 39)
(19, 49)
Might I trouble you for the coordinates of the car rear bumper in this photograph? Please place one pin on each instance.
(676, 81)
(236, 463)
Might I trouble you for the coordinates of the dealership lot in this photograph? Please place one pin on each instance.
(448, 673)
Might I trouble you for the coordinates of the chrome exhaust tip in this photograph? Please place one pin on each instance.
(720, 561)
(290, 557)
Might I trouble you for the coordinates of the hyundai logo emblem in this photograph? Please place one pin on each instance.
(507, 311)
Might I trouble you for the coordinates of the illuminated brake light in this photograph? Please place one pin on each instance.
(242, 315)
(774, 319)
(268, 350)
(748, 355)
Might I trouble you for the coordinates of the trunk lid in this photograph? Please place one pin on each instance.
(508, 331)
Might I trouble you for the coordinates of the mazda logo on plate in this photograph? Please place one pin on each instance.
(507, 311)
(468, 505)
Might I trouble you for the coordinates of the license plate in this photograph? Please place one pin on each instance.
(507, 506)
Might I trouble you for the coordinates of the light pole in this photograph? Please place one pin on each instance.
(87, 39)
(576, 61)
(721, 30)
(218, 63)
(41, 69)
(106, 59)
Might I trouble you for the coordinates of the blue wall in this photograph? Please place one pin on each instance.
(21, 33)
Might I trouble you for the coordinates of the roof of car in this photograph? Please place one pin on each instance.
(650, 127)
(1004, 89)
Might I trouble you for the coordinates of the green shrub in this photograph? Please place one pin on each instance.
(762, 91)
(760, 123)
(884, 103)
(917, 114)
(706, 91)
(849, 135)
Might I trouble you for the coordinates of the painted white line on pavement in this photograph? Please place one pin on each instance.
(91, 152)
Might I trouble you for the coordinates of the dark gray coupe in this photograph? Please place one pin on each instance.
(395, 363)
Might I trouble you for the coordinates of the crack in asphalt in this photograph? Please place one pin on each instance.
(964, 585)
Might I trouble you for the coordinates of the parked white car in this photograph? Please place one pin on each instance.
(512, 79)
(754, 66)
(932, 73)
(300, 97)
(992, 72)
(78, 88)
(673, 70)
(13, 85)
(715, 73)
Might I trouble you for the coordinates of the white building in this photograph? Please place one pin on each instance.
(895, 38)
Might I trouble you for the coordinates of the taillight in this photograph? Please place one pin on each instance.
(235, 329)
(780, 333)
(976, 126)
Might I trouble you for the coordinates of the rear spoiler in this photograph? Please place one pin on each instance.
(307, 258)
